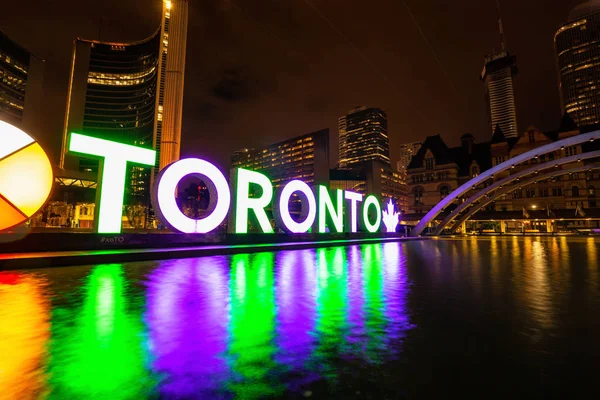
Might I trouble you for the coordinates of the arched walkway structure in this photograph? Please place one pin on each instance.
(484, 176)
(509, 189)
(485, 192)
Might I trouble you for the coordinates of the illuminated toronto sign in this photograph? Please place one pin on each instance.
(244, 200)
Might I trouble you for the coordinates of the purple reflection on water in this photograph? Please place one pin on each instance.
(296, 304)
(356, 300)
(396, 289)
(187, 317)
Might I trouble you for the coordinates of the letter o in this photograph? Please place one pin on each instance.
(164, 202)
(371, 201)
(282, 211)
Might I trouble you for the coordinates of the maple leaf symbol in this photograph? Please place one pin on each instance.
(390, 217)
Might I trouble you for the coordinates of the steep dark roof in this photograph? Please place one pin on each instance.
(498, 136)
(441, 152)
(480, 153)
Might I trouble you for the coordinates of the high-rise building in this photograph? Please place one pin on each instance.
(21, 81)
(131, 93)
(363, 136)
(498, 73)
(304, 157)
(407, 151)
(578, 61)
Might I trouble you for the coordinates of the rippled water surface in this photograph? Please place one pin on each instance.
(494, 318)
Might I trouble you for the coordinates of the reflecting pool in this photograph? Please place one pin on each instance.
(490, 317)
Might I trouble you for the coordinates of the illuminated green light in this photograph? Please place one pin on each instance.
(371, 201)
(326, 207)
(354, 199)
(244, 203)
(111, 185)
(98, 349)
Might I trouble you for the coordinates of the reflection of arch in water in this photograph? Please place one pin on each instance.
(187, 317)
(98, 350)
(484, 176)
(508, 180)
(507, 190)
(396, 287)
(24, 333)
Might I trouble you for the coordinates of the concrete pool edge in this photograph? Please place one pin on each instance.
(36, 260)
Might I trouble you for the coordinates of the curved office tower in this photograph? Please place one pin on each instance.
(131, 93)
(21, 84)
(578, 60)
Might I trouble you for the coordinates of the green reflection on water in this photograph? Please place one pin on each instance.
(102, 356)
(374, 307)
(252, 326)
(332, 307)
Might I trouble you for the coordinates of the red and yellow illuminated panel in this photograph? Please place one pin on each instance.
(24, 335)
(25, 176)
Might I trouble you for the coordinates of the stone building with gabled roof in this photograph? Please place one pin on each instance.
(437, 169)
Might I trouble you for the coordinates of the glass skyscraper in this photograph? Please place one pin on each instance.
(497, 75)
(21, 79)
(577, 46)
(363, 136)
(131, 93)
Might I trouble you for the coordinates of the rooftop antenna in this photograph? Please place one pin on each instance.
(500, 28)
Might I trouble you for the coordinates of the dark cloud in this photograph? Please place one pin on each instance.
(266, 70)
(240, 84)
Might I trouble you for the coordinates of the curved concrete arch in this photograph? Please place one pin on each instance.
(509, 179)
(464, 188)
(509, 189)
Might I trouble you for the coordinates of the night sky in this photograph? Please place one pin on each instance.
(260, 71)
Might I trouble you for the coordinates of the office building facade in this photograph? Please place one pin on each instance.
(407, 151)
(578, 62)
(304, 157)
(363, 136)
(21, 81)
(497, 75)
(130, 93)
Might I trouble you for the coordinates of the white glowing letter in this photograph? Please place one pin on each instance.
(165, 203)
(111, 186)
(308, 212)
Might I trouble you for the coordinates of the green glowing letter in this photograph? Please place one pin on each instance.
(244, 200)
(326, 207)
(366, 221)
(354, 199)
(111, 185)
